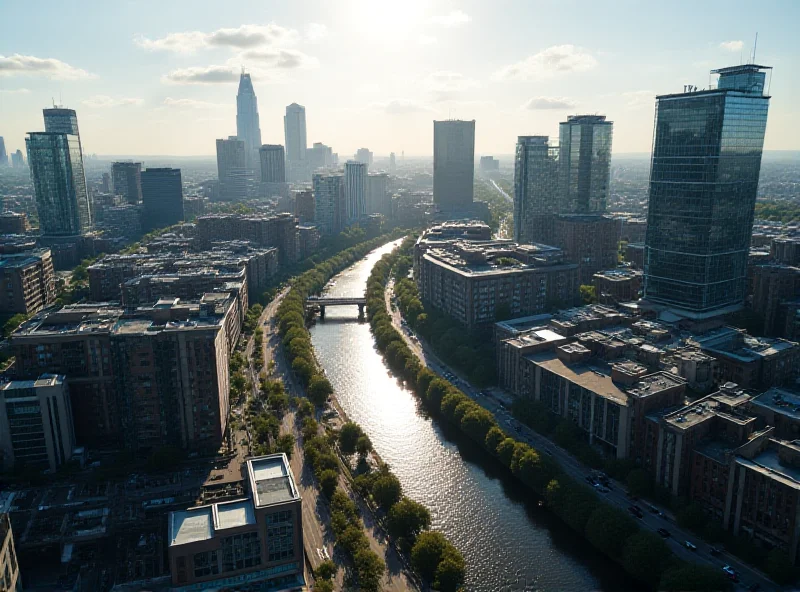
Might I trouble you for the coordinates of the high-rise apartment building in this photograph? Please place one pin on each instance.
(294, 127)
(9, 567)
(703, 179)
(329, 210)
(364, 155)
(585, 163)
(273, 163)
(127, 180)
(453, 163)
(355, 190)
(162, 198)
(247, 125)
(36, 426)
(27, 281)
(62, 200)
(3, 153)
(536, 189)
(379, 200)
(230, 156)
(304, 206)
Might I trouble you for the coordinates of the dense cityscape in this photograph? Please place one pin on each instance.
(285, 368)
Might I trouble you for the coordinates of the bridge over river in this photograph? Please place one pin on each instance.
(323, 301)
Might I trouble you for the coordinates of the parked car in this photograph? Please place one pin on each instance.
(714, 551)
(664, 532)
(635, 511)
(689, 545)
(731, 573)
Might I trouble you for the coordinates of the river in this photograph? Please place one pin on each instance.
(509, 543)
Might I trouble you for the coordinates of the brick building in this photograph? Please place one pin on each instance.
(27, 281)
(617, 285)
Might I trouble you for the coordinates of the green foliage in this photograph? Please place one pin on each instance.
(777, 211)
(691, 517)
(645, 556)
(608, 529)
(319, 389)
(407, 519)
(386, 490)
(451, 571)
(370, 569)
(779, 567)
(12, 323)
(323, 586)
(427, 553)
(363, 445)
(328, 481)
(326, 570)
(348, 437)
(639, 482)
(588, 294)
(691, 577)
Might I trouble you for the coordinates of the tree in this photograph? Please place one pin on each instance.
(279, 402)
(477, 422)
(11, 324)
(304, 370)
(779, 567)
(348, 437)
(505, 450)
(370, 569)
(645, 556)
(323, 586)
(639, 482)
(450, 571)
(386, 490)
(326, 570)
(407, 519)
(328, 480)
(319, 389)
(608, 529)
(363, 446)
(693, 577)
(493, 437)
(427, 553)
(305, 408)
(285, 444)
(588, 294)
(692, 517)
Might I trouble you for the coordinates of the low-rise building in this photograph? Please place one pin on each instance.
(786, 250)
(309, 237)
(10, 577)
(634, 254)
(36, 427)
(591, 241)
(780, 408)
(480, 282)
(13, 223)
(617, 285)
(278, 231)
(772, 286)
(27, 281)
(257, 539)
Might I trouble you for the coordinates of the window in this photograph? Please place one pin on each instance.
(241, 551)
(280, 536)
(205, 564)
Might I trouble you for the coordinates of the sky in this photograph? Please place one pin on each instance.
(160, 77)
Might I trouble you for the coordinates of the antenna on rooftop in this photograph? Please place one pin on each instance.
(755, 45)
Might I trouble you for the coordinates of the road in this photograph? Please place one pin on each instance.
(503, 193)
(317, 539)
(498, 401)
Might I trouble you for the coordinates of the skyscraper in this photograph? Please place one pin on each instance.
(294, 127)
(392, 162)
(453, 163)
(231, 154)
(127, 180)
(3, 154)
(355, 190)
(329, 211)
(17, 160)
(62, 201)
(379, 200)
(59, 120)
(273, 163)
(704, 172)
(162, 197)
(364, 155)
(536, 189)
(247, 126)
(319, 156)
(585, 163)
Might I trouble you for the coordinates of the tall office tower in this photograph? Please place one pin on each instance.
(59, 182)
(379, 200)
(273, 163)
(231, 154)
(703, 178)
(127, 179)
(355, 190)
(247, 126)
(17, 160)
(3, 154)
(536, 189)
(585, 161)
(294, 127)
(392, 162)
(329, 211)
(364, 155)
(453, 163)
(59, 120)
(319, 156)
(107, 186)
(162, 198)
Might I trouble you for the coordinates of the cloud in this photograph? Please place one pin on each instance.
(401, 107)
(732, 45)
(202, 75)
(243, 37)
(316, 31)
(103, 101)
(190, 104)
(537, 103)
(14, 91)
(639, 98)
(455, 18)
(444, 84)
(33, 66)
(284, 59)
(549, 62)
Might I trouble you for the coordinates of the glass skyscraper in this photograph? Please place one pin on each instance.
(247, 124)
(59, 182)
(162, 198)
(703, 179)
(536, 189)
(453, 163)
(585, 163)
(294, 129)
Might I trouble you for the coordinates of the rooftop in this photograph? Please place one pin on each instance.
(191, 526)
(271, 480)
(768, 463)
(780, 400)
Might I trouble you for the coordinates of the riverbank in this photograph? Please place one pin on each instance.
(643, 555)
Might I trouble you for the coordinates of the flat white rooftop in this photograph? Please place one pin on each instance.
(235, 514)
(191, 526)
(271, 480)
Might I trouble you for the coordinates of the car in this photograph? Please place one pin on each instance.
(689, 545)
(714, 551)
(731, 573)
(635, 511)
(664, 532)
(653, 509)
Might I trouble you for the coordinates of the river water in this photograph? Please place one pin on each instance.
(509, 543)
